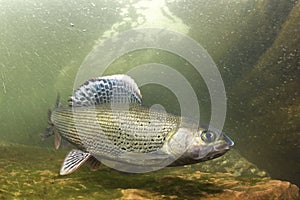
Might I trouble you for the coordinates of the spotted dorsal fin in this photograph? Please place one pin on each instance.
(107, 89)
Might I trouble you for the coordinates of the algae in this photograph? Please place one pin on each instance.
(32, 172)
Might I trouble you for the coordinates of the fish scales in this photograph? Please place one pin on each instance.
(134, 130)
(106, 121)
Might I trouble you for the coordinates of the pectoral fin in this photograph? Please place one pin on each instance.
(74, 159)
(57, 139)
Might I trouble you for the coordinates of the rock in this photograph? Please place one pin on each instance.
(255, 45)
(269, 97)
(215, 186)
(29, 172)
(137, 194)
(232, 162)
(235, 33)
(272, 189)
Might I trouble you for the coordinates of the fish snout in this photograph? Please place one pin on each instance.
(225, 143)
(229, 142)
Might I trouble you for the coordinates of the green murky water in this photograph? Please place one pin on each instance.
(255, 45)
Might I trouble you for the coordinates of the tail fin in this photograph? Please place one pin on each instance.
(50, 129)
(57, 100)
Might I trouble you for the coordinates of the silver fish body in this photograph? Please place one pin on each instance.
(108, 133)
(106, 126)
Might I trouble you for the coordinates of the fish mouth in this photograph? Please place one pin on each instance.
(230, 143)
(221, 148)
(215, 153)
(200, 153)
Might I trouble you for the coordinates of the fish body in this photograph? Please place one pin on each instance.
(106, 121)
(113, 131)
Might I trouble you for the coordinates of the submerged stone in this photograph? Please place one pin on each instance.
(31, 172)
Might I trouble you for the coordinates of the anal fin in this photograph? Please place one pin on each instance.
(73, 161)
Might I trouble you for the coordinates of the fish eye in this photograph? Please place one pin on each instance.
(208, 136)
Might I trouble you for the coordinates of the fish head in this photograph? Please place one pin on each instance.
(208, 144)
(193, 146)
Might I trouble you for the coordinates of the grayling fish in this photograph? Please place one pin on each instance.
(107, 122)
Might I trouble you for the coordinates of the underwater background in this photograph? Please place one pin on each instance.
(254, 43)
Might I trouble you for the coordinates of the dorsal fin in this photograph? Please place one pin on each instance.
(107, 89)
